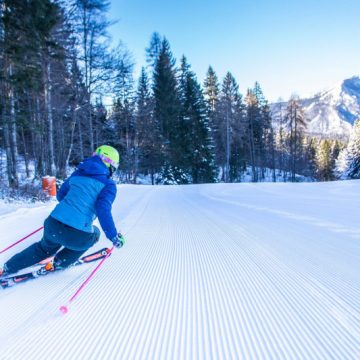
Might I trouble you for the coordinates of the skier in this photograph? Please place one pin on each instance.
(87, 193)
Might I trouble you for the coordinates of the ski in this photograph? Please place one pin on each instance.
(15, 279)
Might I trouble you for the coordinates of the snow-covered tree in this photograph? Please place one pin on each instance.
(351, 157)
(341, 164)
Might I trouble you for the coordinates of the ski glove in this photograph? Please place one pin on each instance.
(118, 241)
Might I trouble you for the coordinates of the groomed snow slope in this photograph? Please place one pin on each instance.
(243, 271)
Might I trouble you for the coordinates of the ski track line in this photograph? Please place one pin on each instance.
(340, 283)
(123, 289)
(334, 254)
(148, 309)
(331, 226)
(229, 333)
(250, 298)
(353, 344)
(131, 218)
(266, 342)
(335, 248)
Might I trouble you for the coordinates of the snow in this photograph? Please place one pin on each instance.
(218, 271)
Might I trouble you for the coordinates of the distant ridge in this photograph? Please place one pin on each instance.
(330, 113)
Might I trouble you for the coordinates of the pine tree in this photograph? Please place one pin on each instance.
(308, 165)
(211, 90)
(259, 133)
(153, 51)
(228, 117)
(266, 138)
(252, 126)
(167, 111)
(296, 122)
(76, 94)
(123, 116)
(280, 146)
(324, 161)
(185, 125)
(212, 97)
(198, 156)
(238, 147)
(148, 157)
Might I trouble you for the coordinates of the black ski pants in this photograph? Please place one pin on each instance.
(71, 242)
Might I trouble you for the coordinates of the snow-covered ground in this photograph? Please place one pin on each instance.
(222, 271)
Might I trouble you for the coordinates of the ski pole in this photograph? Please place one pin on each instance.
(19, 241)
(65, 308)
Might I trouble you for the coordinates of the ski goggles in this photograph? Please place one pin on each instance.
(107, 160)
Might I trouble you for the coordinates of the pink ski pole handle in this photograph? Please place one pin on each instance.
(64, 308)
(19, 241)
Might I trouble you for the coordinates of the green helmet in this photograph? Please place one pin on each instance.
(109, 155)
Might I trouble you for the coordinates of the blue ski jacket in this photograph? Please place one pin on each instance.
(88, 193)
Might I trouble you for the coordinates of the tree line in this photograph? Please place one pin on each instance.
(58, 70)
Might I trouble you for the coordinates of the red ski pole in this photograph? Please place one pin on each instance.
(65, 308)
(19, 241)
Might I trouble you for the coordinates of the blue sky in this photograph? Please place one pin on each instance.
(288, 46)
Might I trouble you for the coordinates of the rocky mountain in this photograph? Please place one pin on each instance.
(330, 113)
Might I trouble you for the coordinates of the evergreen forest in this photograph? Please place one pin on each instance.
(65, 89)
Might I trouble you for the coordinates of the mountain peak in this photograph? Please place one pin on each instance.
(352, 87)
(330, 113)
